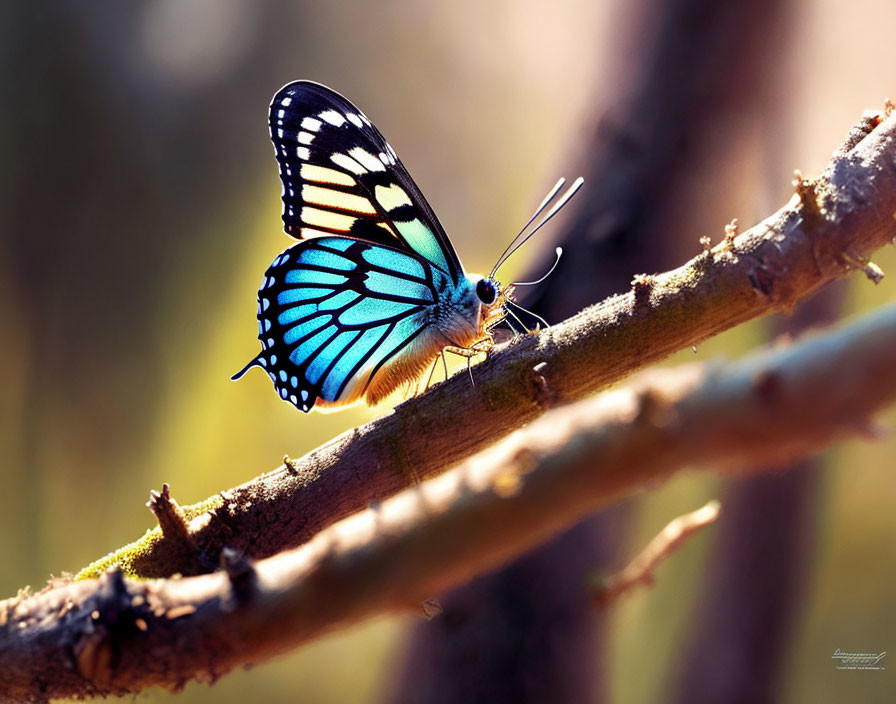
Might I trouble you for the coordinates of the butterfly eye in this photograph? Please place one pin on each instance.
(486, 291)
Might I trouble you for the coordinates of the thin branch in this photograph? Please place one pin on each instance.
(116, 635)
(765, 269)
(640, 570)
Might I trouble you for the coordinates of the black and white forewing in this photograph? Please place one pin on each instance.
(341, 177)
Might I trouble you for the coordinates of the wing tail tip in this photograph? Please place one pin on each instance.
(252, 363)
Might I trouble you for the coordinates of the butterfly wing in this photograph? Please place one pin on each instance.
(341, 177)
(333, 311)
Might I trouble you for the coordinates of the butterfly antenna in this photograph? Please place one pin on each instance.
(559, 251)
(538, 211)
(526, 310)
(564, 199)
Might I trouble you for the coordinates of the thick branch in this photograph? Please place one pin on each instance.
(116, 635)
(830, 224)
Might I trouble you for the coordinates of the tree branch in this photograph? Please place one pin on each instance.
(640, 569)
(832, 222)
(115, 635)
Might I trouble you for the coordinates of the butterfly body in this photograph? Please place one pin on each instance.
(374, 291)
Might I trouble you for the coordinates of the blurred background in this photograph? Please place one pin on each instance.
(140, 208)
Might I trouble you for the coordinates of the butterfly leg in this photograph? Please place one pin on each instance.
(466, 352)
(435, 363)
(444, 364)
(482, 345)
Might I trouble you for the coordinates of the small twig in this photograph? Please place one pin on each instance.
(168, 513)
(731, 230)
(172, 523)
(640, 569)
(868, 267)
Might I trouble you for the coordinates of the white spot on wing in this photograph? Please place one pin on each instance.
(303, 153)
(286, 102)
(311, 124)
(333, 117)
(305, 137)
(349, 164)
(354, 119)
(309, 233)
(366, 159)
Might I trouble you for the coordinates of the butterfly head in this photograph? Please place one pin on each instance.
(492, 299)
(487, 290)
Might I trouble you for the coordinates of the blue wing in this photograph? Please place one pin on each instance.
(332, 311)
(341, 177)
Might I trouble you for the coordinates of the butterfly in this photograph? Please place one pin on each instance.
(373, 292)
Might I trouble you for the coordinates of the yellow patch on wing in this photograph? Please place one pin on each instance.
(391, 197)
(329, 198)
(321, 174)
(324, 218)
